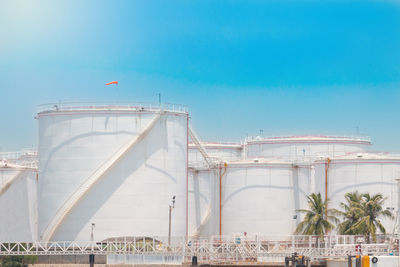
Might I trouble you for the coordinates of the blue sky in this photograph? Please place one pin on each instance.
(286, 67)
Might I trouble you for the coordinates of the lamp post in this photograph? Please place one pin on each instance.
(91, 256)
(91, 233)
(169, 220)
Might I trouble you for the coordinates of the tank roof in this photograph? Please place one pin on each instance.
(311, 139)
(109, 106)
(368, 156)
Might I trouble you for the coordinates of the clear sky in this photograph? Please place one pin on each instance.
(286, 67)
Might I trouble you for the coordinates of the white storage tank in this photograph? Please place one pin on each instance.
(203, 199)
(261, 197)
(204, 185)
(116, 166)
(18, 197)
(365, 172)
(306, 148)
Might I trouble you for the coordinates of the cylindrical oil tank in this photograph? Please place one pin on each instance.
(203, 196)
(223, 151)
(305, 147)
(363, 172)
(261, 197)
(18, 197)
(113, 169)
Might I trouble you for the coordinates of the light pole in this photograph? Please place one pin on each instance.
(91, 256)
(91, 233)
(169, 220)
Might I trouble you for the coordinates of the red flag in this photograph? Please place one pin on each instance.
(113, 82)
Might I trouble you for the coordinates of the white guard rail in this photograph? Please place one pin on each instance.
(212, 250)
(120, 105)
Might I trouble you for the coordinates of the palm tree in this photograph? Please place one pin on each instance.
(352, 212)
(368, 223)
(318, 219)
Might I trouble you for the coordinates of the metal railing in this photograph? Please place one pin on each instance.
(300, 138)
(26, 158)
(90, 106)
(211, 161)
(210, 250)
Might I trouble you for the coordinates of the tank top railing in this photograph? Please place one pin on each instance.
(92, 106)
(26, 158)
(300, 138)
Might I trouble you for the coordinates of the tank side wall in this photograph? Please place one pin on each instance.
(364, 177)
(132, 198)
(202, 203)
(226, 154)
(300, 151)
(18, 206)
(262, 200)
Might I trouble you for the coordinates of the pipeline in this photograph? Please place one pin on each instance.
(327, 164)
(187, 175)
(220, 196)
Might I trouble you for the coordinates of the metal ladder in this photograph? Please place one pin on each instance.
(211, 162)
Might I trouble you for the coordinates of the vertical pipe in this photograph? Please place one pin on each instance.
(187, 176)
(398, 207)
(221, 174)
(312, 179)
(293, 245)
(220, 202)
(327, 162)
(92, 238)
(296, 193)
(169, 227)
(398, 217)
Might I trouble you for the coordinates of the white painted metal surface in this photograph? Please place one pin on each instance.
(224, 151)
(261, 197)
(365, 172)
(203, 199)
(305, 148)
(18, 200)
(116, 166)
